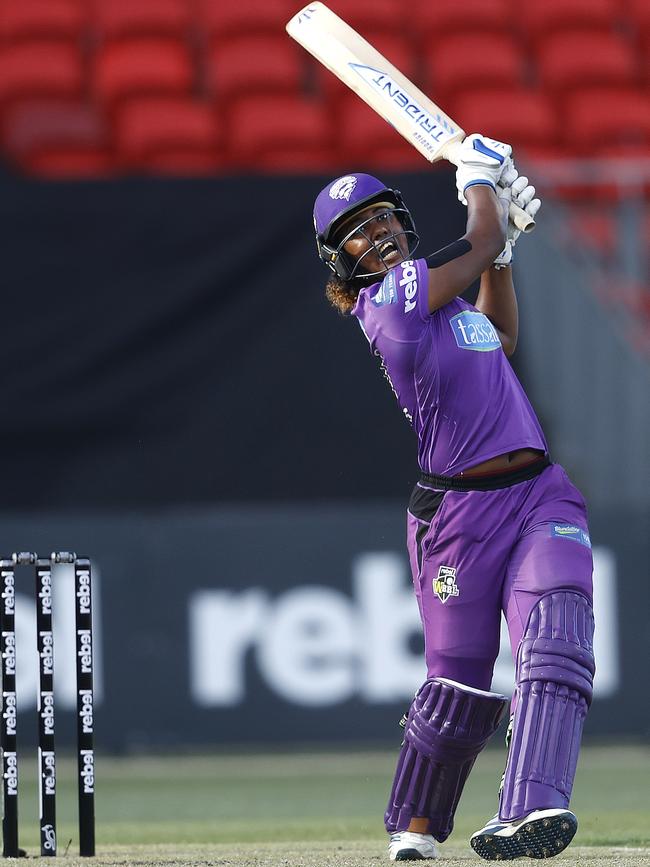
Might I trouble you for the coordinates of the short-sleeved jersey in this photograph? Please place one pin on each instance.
(448, 371)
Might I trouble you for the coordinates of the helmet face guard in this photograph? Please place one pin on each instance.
(337, 203)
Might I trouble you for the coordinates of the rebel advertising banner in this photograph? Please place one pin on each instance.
(274, 625)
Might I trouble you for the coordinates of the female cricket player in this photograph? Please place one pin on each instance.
(492, 524)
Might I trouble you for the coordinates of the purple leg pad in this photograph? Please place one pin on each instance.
(447, 727)
(555, 670)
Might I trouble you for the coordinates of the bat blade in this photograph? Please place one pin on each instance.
(374, 79)
(380, 84)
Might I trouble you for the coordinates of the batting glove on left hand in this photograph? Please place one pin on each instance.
(523, 194)
(481, 160)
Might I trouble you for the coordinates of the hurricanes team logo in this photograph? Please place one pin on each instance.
(342, 189)
(445, 585)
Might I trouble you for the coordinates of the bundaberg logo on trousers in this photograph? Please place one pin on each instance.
(445, 585)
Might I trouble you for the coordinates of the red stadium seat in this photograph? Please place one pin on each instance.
(41, 19)
(252, 64)
(220, 20)
(126, 18)
(57, 139)
(40, 69)
(645, 54)
(540, 18)
(473, 60)
(142, 67)
(612, 119)
(396, 49)
(638, 14)
(577, 59)
(174, 135)
(594, 227)
(447, 17)
(524, 117)
(367, 140)
(282, 133)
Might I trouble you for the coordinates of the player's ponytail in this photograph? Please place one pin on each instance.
(342, 294)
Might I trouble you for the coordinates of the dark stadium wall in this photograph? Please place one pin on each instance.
(168, 342)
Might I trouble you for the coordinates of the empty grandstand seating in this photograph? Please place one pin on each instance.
(530, 121)
(126, 18)
(219, 19)
(459, 63)
(445, 18)
(40, 69)
(142, 67)
(575, 59)
(175, 135)
(608, 120)
(538, 74)
(280, 133)
(42, 19)
(540, 18)
(57, 139)
(254, 64)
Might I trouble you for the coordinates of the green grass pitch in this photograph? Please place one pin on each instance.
(324, 809)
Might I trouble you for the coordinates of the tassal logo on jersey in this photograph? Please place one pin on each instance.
(473, 330)
(387, 293)
(408, 281)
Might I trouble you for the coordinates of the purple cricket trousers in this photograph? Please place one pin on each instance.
(476, 553)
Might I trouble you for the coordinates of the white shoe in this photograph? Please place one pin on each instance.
(540, 834)
(409, 846)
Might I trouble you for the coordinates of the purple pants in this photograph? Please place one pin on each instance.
(475, 554)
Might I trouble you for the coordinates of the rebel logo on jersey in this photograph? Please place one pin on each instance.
(408, 281)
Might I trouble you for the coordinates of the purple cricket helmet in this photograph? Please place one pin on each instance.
(337, 202)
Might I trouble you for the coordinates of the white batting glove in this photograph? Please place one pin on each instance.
(482, 160)
(505, 256)
(523, 194)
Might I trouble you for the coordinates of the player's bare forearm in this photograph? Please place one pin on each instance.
(498, 301)
(468, 257)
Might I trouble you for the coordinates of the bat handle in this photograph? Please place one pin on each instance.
(520, 218)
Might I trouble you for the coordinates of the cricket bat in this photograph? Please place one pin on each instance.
(347, 54)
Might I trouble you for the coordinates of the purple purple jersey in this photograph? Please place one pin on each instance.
(448, 372)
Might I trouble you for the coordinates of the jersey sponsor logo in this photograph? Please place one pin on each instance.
(445, 585)
(343, 188)
(408, 281)
(570, 531)
(473, 330)
(387, 293)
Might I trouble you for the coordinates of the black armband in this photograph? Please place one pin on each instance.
(452, 251)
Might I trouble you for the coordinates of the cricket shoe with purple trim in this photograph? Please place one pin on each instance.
(540, 834)
(409, 846)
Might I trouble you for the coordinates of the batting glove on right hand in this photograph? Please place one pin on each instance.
(481, 160)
